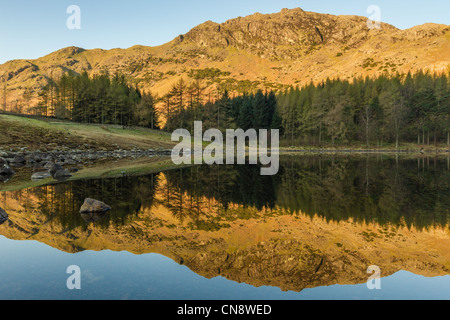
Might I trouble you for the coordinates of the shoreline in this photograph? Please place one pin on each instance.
(63, 157)
(107, 164)
(369, 151)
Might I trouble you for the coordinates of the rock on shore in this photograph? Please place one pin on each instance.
(5, 170)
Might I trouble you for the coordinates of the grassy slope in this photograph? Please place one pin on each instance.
(49, 134)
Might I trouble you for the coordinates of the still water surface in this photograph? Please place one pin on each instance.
(226, 232)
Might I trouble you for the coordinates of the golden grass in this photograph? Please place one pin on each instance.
(43, 133)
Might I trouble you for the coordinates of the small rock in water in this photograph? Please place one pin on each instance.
(92, 205)
(3, 216)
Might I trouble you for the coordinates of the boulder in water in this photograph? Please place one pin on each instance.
(92, 205)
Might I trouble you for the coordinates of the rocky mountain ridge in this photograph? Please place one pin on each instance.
(266, 51)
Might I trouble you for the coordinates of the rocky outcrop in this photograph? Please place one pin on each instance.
(289, 28)
(295, 47)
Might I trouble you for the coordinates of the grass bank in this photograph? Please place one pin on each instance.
(46, 134)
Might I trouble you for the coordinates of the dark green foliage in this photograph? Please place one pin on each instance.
(101, 99)
(145, 113)
(387, 109)
(246, 114)
(394, 109)
(263, 111)
(249, 111)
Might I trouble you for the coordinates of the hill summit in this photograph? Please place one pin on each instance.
(260, 51)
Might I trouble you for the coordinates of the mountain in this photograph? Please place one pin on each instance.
(292, 47)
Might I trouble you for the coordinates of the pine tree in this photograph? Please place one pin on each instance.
(247, 114)
(145, 113)
(260, 111)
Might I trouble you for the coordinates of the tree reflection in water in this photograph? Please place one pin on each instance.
(414, 192)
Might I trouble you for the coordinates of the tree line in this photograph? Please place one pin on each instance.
(373, 111)
(100, 99)
(185, 104)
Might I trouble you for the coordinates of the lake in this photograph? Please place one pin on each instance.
(226, 232)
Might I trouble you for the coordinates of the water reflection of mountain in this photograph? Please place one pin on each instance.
(319, 222)
(413, 192)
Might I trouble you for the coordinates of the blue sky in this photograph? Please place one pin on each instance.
(30, 29)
